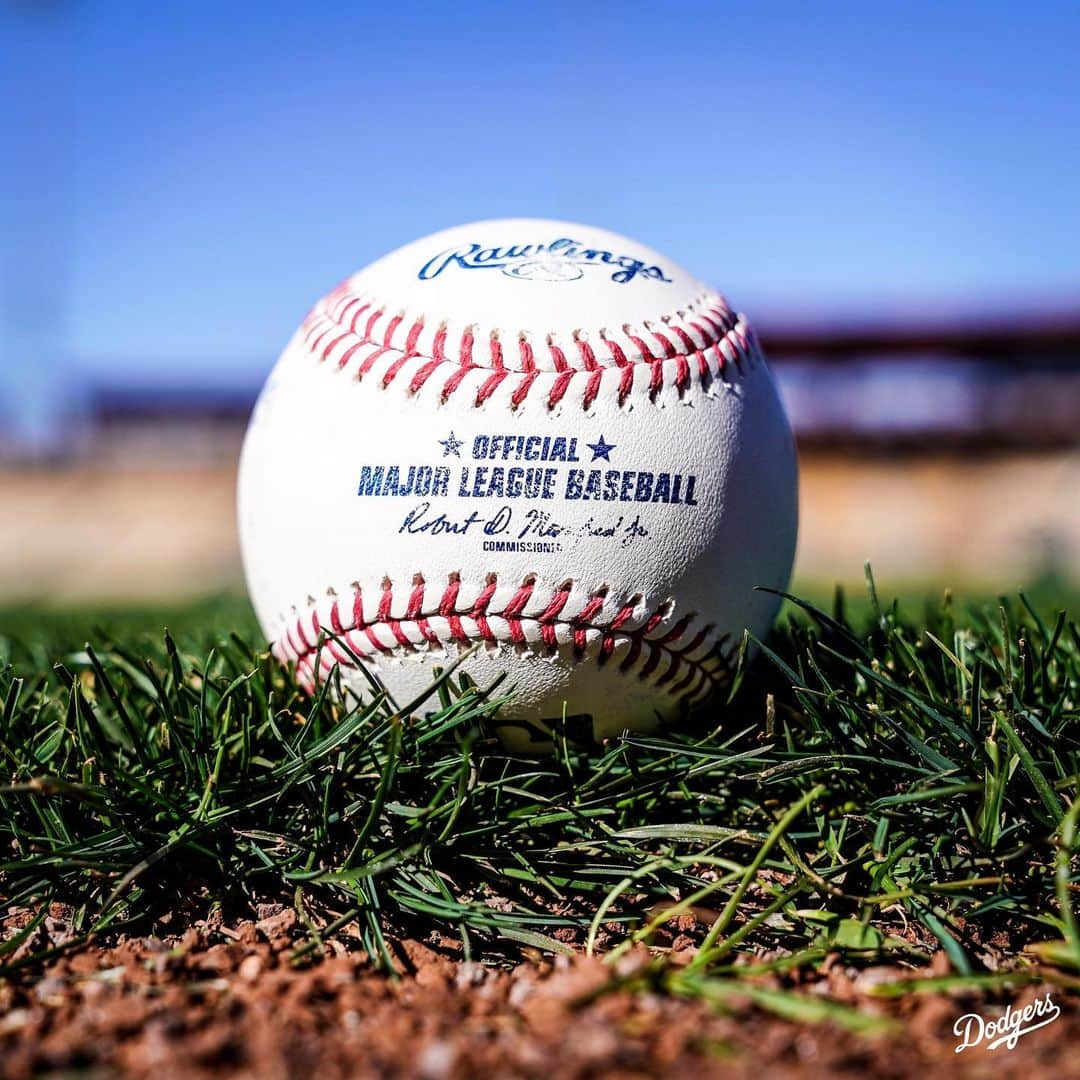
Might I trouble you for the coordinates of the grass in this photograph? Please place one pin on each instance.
(874, 786)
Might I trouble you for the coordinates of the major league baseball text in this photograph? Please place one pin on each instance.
(576, 459)
(528, 528)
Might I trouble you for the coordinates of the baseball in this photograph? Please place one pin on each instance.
(538, 443)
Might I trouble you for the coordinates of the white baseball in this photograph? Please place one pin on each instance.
(538, 437)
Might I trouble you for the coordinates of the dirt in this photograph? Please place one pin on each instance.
(232, 1001)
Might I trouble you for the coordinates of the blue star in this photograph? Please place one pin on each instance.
(600, 449)
(451, 446)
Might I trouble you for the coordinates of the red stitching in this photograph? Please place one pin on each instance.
(588, 357)
(490, 386)
(558, 356)
(656, 382)
(314, 345)
(685, 340)
(646, 353)
(340, 317)
(391, 326)
(305, 635)
(559, 388)
(414, 333)
(495, 347)
(369, 329)
(369, 361)
(330, 348)
(454, 382)
(592, 389)
(518, 396)
(528, 361)
(703, 366)
(345, 319)
(719, 327)
(356, 317)
(682, 374)
(665, 343)
(394, 368)
(423, 375)
(617, 353)
(439, 344)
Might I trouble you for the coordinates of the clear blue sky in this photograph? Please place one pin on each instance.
(185, 179)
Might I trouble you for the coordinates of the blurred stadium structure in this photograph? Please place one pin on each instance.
(945, 452)
(964, 385)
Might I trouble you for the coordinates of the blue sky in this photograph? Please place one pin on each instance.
(186, 179)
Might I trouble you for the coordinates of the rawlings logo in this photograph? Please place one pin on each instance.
(561, 260)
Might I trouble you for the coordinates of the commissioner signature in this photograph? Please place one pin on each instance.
(519, 524)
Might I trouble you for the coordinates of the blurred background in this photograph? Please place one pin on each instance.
(890, 192)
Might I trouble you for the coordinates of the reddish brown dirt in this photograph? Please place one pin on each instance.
(230, 1002)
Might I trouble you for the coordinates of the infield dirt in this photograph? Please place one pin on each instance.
(230, 1001)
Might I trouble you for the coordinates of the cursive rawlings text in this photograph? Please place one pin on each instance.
(559, 260)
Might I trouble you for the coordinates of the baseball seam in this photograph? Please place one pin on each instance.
(362, 335)
(696, 662)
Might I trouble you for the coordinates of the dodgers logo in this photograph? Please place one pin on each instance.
(1008, 1029)
(562, 259)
